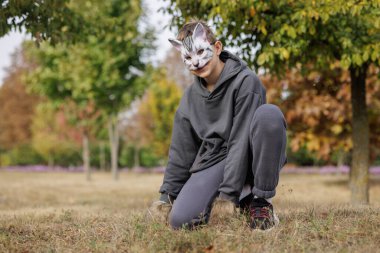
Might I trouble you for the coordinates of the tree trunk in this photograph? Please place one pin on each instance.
(360, 137)
(114, 142)
(102, 156)
(86, 157)
(136, 159)
(340, 160)
(51, 161)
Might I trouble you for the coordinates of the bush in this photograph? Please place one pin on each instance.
(126, 158)
(25, 154)
(21, 155)
(68, 156)
(148, 158)
(376, 162)
(303, 157)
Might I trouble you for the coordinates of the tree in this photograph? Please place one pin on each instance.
(102, 68)
(275, 35)
(152, 124)
(88, 121)
(51, 20)
(53, 137)
(17, 105)
(176, 70)
(308, 100)
(323, 97)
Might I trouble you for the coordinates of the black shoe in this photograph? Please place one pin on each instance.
(262, 215)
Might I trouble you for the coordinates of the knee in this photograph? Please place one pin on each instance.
(177, 220)
(268, 118)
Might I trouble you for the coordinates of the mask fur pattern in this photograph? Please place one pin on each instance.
(196, 50)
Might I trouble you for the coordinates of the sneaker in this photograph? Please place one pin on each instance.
(262, 216)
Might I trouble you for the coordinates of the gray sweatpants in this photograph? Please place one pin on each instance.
(267, 138)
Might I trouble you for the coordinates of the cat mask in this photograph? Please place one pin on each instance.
(196, 50)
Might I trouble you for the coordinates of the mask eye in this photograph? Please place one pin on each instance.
(187, 57)
(200, 51)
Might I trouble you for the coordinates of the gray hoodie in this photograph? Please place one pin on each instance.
(212, 126)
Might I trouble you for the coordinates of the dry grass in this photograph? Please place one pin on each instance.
(57, 212)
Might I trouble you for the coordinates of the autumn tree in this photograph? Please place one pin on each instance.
(176, 70)
(275, 35)
(53, 137)
(17, 105)
(323, 96)
(151, 125)
(88, 120)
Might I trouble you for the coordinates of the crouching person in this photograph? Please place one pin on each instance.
(227, 146)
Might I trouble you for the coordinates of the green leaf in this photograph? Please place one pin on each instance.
(284, 53)
(262, 58)
(292, 32)
(345, 62)
(357, 59)
(374, 55)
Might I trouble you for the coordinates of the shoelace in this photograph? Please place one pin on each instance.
(259, 212)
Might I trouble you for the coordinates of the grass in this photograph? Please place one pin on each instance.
(61, 212)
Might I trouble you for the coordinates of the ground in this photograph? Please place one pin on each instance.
(61, 212)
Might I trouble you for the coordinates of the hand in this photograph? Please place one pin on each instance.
(159, 211)
(222, 209)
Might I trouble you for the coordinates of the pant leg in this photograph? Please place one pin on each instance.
(268, 143)
(193, 204)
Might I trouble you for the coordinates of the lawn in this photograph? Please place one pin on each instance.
(61, 212)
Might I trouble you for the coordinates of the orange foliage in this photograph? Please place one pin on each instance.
(16, 105)
(317, 107)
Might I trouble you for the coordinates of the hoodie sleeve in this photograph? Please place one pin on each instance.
(250, 96)
(182, 152)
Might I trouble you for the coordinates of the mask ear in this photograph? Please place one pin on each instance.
(176, 43)
(199, 32)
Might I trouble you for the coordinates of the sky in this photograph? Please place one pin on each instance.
(8, 44)
(12, 40)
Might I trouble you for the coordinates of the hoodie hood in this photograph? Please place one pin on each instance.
(233, 65)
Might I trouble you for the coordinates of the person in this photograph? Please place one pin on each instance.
(227, 145)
